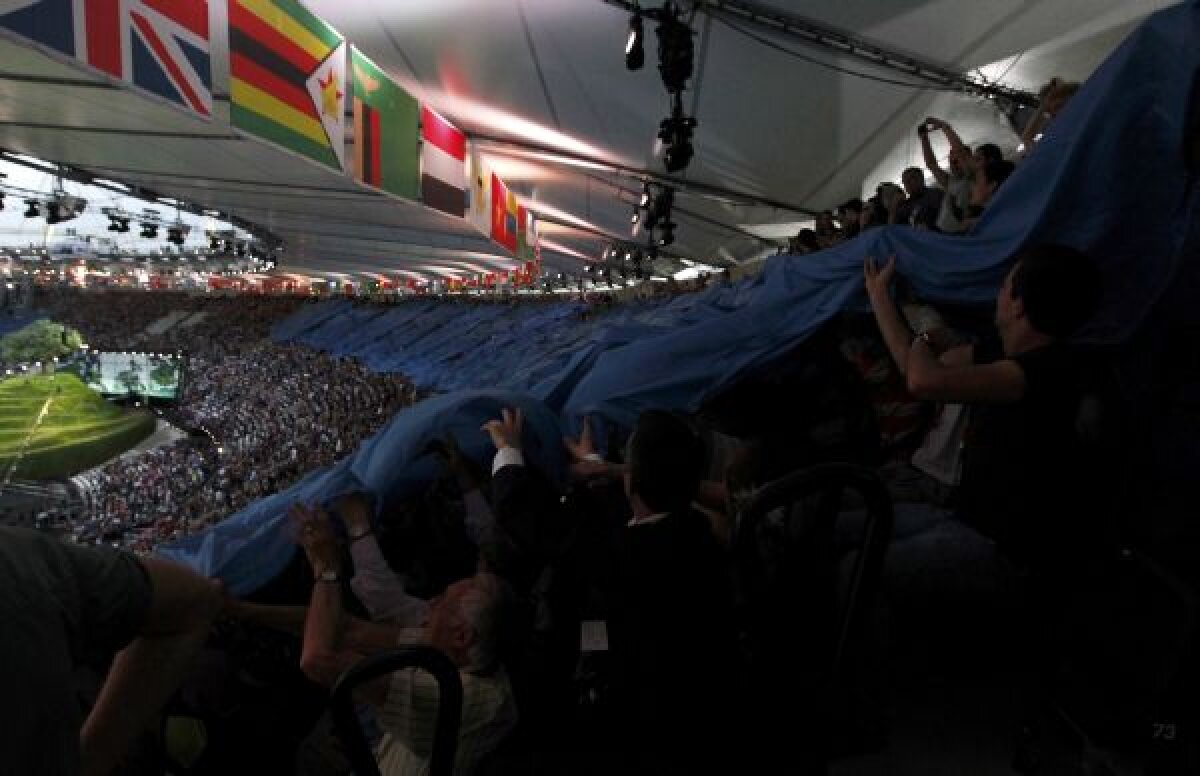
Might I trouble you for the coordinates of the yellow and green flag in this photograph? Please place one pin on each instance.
(386, 130)
(287, 73)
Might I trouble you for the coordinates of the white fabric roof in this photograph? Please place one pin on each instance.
(769, 125)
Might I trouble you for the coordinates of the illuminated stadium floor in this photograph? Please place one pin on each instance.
(79, 429)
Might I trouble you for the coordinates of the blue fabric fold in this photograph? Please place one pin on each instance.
(1108, 178)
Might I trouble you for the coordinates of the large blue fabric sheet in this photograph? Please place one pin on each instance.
(1108, 177)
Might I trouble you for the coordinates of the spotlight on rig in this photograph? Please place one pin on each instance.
(675, 132)
(149, 230)
(676, 50)
(635, 50)
(177, 234)
(666, 233)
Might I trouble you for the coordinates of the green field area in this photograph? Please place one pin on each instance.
(80, 429)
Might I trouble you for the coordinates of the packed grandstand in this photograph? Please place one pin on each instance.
(401, 458)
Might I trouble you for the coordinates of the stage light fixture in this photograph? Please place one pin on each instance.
(675, 132)
(635, 50)
(32, 209)
(149, 231)
(676, 51)
(637, 216)
(677, 157)
(666, 233)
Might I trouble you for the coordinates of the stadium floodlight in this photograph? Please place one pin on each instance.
(635, 49)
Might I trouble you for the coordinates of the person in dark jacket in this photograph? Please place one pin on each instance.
(670, 620)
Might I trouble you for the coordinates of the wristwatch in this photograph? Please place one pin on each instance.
(328, 575)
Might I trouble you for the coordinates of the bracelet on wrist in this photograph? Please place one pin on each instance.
(361, 535)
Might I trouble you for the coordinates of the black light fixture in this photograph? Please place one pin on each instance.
(32, 209)
(149, 230)
(637, 216)
(1, 200)
(676, 50)
(635, 50)
(214, 244)
(675, 132)
(55, 213)
(666, 233)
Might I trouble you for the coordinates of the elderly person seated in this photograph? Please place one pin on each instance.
(465, 623)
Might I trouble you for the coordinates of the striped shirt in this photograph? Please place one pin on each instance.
(409, 715)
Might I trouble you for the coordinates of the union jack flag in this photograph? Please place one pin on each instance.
(159, 46)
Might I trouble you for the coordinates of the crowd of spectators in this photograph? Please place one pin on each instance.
(259, 415)
(501, 570)
(962, 189)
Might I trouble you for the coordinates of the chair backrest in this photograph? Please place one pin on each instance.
(817, 545)
(449, 712)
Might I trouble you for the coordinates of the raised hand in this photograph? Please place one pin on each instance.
(582, 448)
(878, 280)
(313, 531)
(505, 432)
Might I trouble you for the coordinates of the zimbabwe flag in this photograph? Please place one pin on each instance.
(287, 81)
(386, 130)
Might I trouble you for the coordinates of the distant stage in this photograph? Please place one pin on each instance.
(149, 375)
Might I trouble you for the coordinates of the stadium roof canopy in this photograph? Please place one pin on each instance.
(542, 85)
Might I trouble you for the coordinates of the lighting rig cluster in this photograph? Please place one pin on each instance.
(676, 61)
(227, 243)
(150, 222)
(625, 260)
(653, 213)
(59, 206)
(56, 207)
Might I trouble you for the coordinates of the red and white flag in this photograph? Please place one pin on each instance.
(443, 154)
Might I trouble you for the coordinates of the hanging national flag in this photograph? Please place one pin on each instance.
(385, 130)
(157, 46)
(479, 192)
(287, 78)
(443, 156)
(504, 215)
(528, 244)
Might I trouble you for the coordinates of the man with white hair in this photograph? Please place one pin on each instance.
(464, 623)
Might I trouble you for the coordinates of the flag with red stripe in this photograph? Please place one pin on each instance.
(287, 78)
(386, 153)
(504, 215)
(158, 46)
(443, 156)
